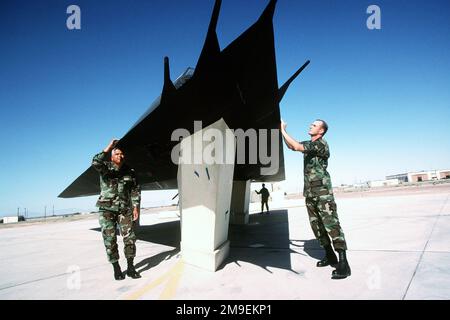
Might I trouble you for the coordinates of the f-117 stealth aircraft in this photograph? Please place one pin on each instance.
(238, 84)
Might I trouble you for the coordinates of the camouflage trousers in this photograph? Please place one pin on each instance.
(108, 222)
(322, 211)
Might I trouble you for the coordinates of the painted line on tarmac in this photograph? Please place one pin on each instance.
(172, 277)
(425, 247)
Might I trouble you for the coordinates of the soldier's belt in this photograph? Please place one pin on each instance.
(322, 192)
(316, 183)
(106, 203)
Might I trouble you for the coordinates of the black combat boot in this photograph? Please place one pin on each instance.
(118, 275)
(343, 269)
(131, 271)
(330, 258)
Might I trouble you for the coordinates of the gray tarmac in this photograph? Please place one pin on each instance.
(399, 248)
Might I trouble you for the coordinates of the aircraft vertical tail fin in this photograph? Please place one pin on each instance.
(211, 48)
(268, 11)
(285, 86)
(168, 87)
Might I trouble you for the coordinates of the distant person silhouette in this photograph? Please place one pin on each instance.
(264, 198)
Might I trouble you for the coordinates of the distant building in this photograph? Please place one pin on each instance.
(444, 174)
(383, 183)
(421, 176)
(402, 177)
(12, 219)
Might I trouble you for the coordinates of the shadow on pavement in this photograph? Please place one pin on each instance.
(264, 242)
(167, 233)
(311, 247)
(153, 261)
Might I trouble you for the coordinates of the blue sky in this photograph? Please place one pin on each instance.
(65, 93)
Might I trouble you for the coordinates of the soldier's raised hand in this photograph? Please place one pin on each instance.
(111, 145)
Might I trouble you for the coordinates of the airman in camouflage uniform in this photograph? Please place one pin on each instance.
(319, 198)
(119, 204)
(265, 194)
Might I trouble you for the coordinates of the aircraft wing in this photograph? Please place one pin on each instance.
(238, 84)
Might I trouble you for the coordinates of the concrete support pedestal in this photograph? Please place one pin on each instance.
(205, 184)
(240, 202)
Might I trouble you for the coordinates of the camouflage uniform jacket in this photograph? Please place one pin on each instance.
(317, 178)
(119, 187)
